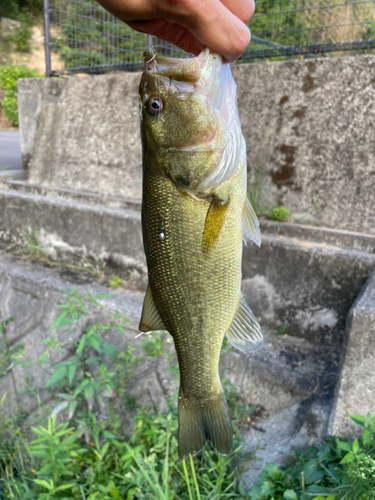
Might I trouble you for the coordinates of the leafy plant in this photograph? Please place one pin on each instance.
(280, 329)
(115, 281)
(84, 377)
(9, 75)
(22, 35)
(280, 214)
(88, 456)
(342, 470)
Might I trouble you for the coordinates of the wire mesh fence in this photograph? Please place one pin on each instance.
(308, 27)
(82, 37)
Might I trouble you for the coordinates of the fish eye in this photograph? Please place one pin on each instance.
(155, 105)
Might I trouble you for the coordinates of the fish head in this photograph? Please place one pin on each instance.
(190, 127)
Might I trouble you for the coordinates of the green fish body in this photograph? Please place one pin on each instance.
(195, 214)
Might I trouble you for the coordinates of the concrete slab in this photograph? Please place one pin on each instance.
(355, 389)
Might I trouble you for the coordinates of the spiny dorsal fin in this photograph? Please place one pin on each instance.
(244, 333)
(250, 224)
(212, 228)
(150, 319)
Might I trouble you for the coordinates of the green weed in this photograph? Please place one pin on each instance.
(87, 455)
(280, 329)
(9, 75)
(280, 214)
(342, 470)
(114, 281)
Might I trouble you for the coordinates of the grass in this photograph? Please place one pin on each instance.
(78, 446)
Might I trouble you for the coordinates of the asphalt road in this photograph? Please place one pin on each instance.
(10, 152)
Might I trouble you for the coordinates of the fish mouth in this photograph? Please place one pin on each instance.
(203, 72)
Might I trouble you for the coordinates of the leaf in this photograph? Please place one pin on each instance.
(72, 372)
(89, 391)
(65, 486)
(273, 471)
(349, 457)
(42, 482)
(81, 386)
(358, 419)
(95, 341)
(311, 472)
(343, 445)
(290, 495)
(367, 435)
(59, 320)
(109, 435)
(110, 349)
(103, 296)
(72, 408)
(59, 408)
(130, 494)
(268, 487)
(113, 491)
(82, 344)
(355, 446)
(57, 376)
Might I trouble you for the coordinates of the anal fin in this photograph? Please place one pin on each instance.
(250, 224)
(244, 332)
(150, 319)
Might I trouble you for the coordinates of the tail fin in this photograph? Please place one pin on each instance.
(200, 423)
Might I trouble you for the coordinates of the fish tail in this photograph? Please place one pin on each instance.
(199, 423)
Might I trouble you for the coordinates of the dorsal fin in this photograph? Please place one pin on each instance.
(212, 228)
(150, 319)
(244, 332)
(250, 224)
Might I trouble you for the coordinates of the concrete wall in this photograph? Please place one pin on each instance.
(82, 133)
(309, 128)
(310, 131)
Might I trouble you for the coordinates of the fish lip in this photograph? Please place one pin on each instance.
(196, 146)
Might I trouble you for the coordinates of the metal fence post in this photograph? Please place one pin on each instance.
(47, 38)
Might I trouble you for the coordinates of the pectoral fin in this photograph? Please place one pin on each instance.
(250, 224)
(244, 333)
(214, 223)
(150, 319)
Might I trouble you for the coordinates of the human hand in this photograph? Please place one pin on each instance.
(190, 24)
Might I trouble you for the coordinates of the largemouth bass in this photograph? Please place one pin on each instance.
(195, 214)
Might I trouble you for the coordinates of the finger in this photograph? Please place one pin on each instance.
(210, 22)
(243, 9)
(170, 32)
(130, 10)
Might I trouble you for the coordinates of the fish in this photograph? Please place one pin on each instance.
(195, 216)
